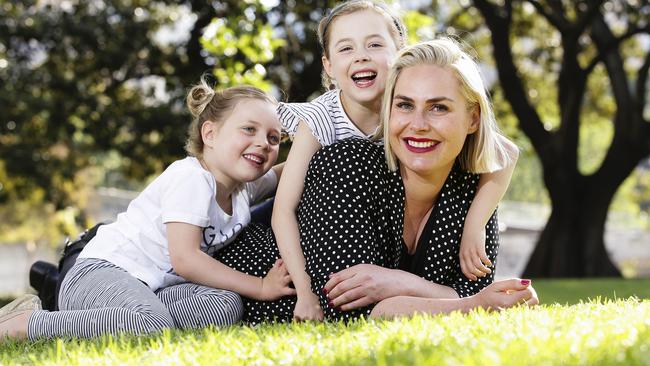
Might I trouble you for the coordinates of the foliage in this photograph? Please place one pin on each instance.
(609, 333)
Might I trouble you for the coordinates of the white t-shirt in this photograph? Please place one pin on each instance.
(184, 192)
(324, 116)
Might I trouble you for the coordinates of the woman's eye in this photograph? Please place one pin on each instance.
(375, 45)
(439, 108)
(249, 129)
(404, 106)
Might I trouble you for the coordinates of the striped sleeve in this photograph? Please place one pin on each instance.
(315, 114)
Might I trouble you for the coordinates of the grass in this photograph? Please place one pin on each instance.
(595, 332)
(572, 291)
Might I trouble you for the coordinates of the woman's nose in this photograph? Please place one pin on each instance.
(418, 123)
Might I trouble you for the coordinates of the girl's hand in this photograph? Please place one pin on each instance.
(276, 283)
(361, 285)
(308, 308)
(474, 262)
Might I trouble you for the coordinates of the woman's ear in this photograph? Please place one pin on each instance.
(475, 121)
(209, 131)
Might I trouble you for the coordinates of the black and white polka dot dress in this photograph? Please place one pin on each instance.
(351, 212)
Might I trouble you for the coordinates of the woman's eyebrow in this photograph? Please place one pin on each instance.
(428, 101)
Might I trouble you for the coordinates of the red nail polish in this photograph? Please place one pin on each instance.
(331, 304)
(325, 291)
(525, 282)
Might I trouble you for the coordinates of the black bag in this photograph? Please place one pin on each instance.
(46, 279)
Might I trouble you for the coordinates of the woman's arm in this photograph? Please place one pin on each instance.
(491, 188)
(497, 296)
(365, 284)
(196, 266)
(285, 224)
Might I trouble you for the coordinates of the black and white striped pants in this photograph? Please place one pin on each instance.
(97, 298)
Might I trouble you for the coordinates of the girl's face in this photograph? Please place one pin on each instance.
(360, 52)
(429, 120)
(244, 146)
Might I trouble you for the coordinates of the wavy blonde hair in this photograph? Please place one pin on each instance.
(485, 150)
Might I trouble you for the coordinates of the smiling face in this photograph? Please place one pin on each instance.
(429, 120)
(244, 146)
(359, 53)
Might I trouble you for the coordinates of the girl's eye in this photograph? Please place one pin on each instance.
(248, 129)
(274, 139)
(345, 48)
(375, 45)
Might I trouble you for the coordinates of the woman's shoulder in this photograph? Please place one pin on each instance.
(461, 182)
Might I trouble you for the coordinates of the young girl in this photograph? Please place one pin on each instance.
(153, 267)
(359, 40)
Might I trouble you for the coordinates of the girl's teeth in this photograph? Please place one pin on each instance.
(420, 144)
(253, 158)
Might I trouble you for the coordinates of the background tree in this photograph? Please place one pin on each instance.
(587, 37)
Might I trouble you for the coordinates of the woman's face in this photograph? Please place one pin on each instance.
(429, 120)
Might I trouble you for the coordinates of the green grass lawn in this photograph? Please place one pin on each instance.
(572, 291)
(595, 332)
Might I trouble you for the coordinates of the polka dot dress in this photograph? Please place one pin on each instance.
(351, 212)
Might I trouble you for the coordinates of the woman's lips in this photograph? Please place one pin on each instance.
(420, 145)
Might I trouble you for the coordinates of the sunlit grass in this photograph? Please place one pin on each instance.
(592, 333)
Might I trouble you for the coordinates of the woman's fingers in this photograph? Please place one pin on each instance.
(336, 279)
(348, 296)
(358, 303)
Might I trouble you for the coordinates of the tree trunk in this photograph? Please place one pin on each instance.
(572, 244)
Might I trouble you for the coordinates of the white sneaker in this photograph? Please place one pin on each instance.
(24, 302)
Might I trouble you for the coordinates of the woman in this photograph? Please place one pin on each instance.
(387, 232)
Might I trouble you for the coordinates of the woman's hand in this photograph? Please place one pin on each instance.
(507, 293)
(474, 262)
(276, 283)
(308, 308)
(361, 285)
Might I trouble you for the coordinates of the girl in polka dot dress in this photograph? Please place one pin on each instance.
(359, 40)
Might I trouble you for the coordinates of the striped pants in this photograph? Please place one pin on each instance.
(97, 298)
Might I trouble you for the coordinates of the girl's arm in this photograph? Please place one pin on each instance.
(284, 221)
(491, 188)
(196, 266)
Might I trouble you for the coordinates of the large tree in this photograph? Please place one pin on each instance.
(592, 35)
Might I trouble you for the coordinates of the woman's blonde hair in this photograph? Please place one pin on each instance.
(207, 104)
(395, 26)
(485, 150)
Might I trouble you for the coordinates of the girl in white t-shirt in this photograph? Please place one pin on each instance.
(153, 267)
(359, 39)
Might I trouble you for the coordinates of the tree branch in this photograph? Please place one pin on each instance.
(511, 82)
(631, 32)
(587, 17)
(603, 38)
(555, 17)
(641, 80)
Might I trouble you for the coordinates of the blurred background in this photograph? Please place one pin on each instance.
(91, 109)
